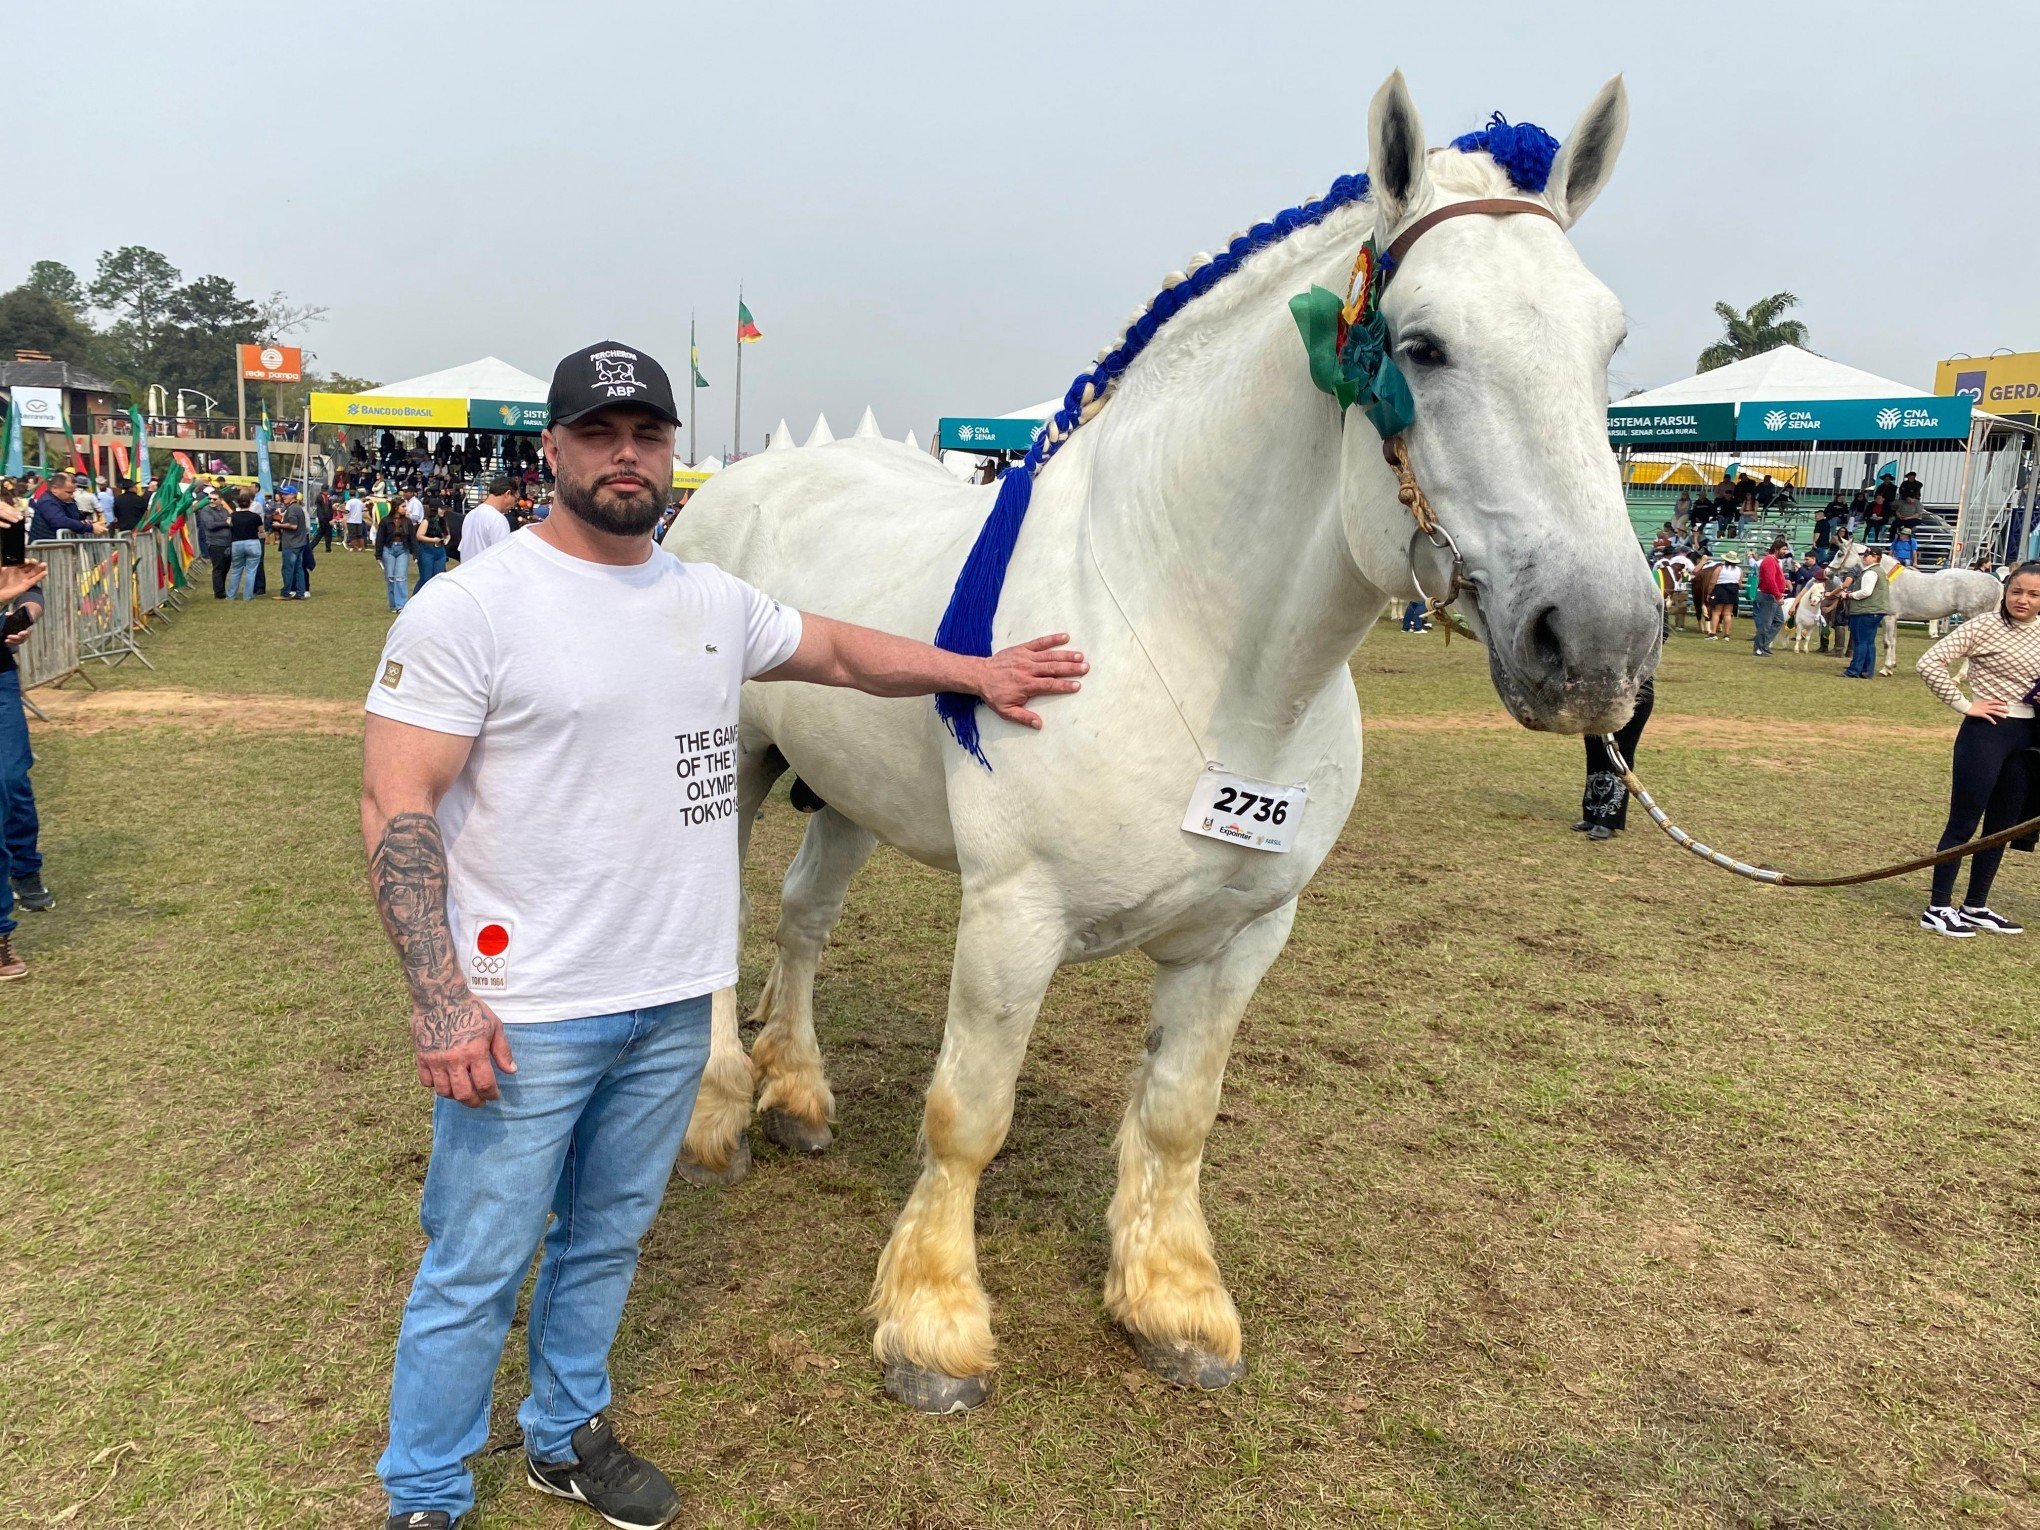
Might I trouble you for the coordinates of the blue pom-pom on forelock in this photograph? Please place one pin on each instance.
(1523, 150)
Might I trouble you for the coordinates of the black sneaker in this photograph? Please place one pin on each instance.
(1945, 921)
(624, 1489)
(30, 893)
(1991, 922)
(424, 1519)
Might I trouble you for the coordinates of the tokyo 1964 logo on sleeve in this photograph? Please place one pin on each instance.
(488, 956)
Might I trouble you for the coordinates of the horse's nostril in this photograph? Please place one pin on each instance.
(1546, 651)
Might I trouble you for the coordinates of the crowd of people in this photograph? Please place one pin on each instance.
(1891, 512)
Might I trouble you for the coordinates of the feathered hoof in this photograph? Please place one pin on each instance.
(704, 1178)
(1186, 1365)
(794, 1134)
(933, 1392)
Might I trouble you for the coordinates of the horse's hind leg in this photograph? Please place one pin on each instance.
(1163, 1285)
(796, 1105)
(716, 1151)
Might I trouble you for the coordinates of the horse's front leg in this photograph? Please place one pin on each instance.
(1163, 1285)
(934, 1334)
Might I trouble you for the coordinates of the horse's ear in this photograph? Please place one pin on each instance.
(1395, 149)
(1587, 160)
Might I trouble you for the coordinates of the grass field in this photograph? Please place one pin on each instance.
(1559, 1184)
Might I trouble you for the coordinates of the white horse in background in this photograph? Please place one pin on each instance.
(1926, 596)
(1218, 536)
(1803, 615)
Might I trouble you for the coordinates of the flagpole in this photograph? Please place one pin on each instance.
(737, 428)
(693, 387)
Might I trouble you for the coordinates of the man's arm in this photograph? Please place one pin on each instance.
(405, 771)
(881, 664)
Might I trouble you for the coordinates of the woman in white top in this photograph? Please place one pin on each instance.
(1995, 774)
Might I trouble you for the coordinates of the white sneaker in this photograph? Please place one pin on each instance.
(1989, 921)
(1945, 921)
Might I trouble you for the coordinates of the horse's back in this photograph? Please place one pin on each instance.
(866, 532)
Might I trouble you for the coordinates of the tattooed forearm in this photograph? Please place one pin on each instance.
(408, 874)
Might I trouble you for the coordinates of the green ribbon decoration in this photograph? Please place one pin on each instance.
(1351, 362)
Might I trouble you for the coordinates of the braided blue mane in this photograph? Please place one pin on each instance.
(1523, 151)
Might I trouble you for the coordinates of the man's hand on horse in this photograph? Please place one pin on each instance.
(1015, 676)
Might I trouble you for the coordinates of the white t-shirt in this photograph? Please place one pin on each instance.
(414, 507)
(355, 511)
(484, 527)
(591, 838)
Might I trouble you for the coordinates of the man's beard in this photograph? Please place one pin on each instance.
(619, 513)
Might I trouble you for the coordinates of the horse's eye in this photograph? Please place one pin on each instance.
(1423, 351)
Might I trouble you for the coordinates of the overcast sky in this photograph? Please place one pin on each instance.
(946, 209)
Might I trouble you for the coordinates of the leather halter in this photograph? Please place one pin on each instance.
(1393, 451)
(1497, 207)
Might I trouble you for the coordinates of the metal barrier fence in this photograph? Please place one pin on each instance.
(96, 592)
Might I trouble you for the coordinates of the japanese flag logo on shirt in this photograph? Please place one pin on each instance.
(489, 954)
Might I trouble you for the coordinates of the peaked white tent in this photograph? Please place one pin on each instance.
(821, 435)
(867, 428)
(1785, 374)
(491, 377)
(782, 437)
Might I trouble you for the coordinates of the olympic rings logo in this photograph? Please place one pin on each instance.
(491, 965)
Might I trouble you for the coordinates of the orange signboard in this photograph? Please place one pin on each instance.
(272, 363)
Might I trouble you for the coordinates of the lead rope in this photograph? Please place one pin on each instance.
(1412, 497)
(1776, 878)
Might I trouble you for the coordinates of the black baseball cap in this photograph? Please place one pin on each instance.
(608, 372)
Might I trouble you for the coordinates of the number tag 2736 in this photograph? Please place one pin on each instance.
(1257, 815)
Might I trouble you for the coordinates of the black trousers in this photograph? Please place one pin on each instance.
(1606, 799)
(222, 555)
(1993, 766)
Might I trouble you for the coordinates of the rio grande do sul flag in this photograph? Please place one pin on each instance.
(747, 327)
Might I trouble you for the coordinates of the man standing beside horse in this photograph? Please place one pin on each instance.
(564, 901)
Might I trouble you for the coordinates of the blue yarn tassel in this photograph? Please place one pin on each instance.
(967, 624)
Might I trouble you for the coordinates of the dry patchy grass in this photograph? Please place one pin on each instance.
(1558, 1184)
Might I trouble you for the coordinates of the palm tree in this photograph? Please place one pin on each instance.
(1753, 333)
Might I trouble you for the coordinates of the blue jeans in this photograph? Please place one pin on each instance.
(1770, 616)
(242, 571)
(396, 565)
(587, 1129)
(1413, 616)
(1863, 632)
(18, 854)
(294, 580)
(431, 560)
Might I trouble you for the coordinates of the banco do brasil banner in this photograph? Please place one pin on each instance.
(1854, 419)
(384, 410)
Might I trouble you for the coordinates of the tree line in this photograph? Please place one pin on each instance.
(138, 322)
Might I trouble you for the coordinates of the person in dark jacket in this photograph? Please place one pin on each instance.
(57, 511)
(216, 537)
(128, 507)
(21, 880)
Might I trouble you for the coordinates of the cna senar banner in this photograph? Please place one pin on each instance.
(382, 410)
(271, 363)
(506, 414)
(966, 434)
(1671, 424)
(1854, 419)
(1994, 384)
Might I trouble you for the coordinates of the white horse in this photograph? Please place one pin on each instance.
(1218, 535)
(1803, 614)
(1926, 596)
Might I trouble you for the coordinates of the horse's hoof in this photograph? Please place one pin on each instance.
(702, 1177)
(932, 1391)
(794, 1134)
(1184, 1364)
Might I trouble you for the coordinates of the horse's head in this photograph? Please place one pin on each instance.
(1504, 339)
